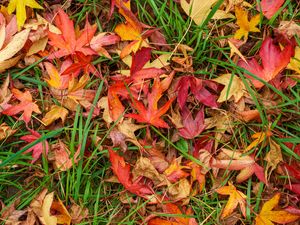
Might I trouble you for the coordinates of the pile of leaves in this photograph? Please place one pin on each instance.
(97, 105)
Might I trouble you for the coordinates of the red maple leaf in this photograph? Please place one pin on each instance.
(191, 127)
(26, 105)
(83, 63)
(67, 42)
(37, 149)
(122, 170)
(274, 60)
(199, 89)
(270, 7)
(152, 114)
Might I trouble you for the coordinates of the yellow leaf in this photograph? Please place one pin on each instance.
(46, 207)
(234, 49)
(267, 216)
(235, 198)
(258, 137)
(55, 113)
(19, 7)
(197, 10)
(295, 61)
(56, 80)
(245, 25)
(234, 87)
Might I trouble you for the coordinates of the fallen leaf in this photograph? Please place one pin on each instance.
(233, 44)
(26, 105)
(245, 25)
(170, 208)
(180, 190)
(61, 156)
(268, 216)
(295, 61)
(14, 46)
(122, 170)
(197, 10)
(290, 28)
(274, 60)
(5, 131)
(191, 127)
(152, 114)
(56, 112)
(144, 167)
(19, 7)
(235, 198)
(39, 148)
(269, 7)
(273, 157)
(67, 42)
(234, 87)
(258, 137)
(199, 88)
(235, 160)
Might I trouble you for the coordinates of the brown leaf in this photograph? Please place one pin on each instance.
(273, 157)
(144, 167)
(5, 131)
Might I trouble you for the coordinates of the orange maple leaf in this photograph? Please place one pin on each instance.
(67, 42)
(170, 208)
(235, 198)
(267, 216)
(26, 105)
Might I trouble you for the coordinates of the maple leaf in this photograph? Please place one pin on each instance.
(191, 127)
(274, 60)
(37, 149)
(199, 89)
(26, 105)
(61, 156)
(270, 7)
(55, 113)
(235, 198)
(173, 209)
(57, 80)
(197, 10)
(19, 7)
(67, 42)
(83, 63)
(267, 216)
(258, 137)
(152, 114)
(245, 25)
(234, 87)
(11, 44)
(294, 62)
(235, 160)
(122, 170)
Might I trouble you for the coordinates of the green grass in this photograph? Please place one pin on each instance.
(86, 182)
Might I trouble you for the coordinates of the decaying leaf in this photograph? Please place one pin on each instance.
(273, 157)
(258, 137)
(61, 156)
(5, 131)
